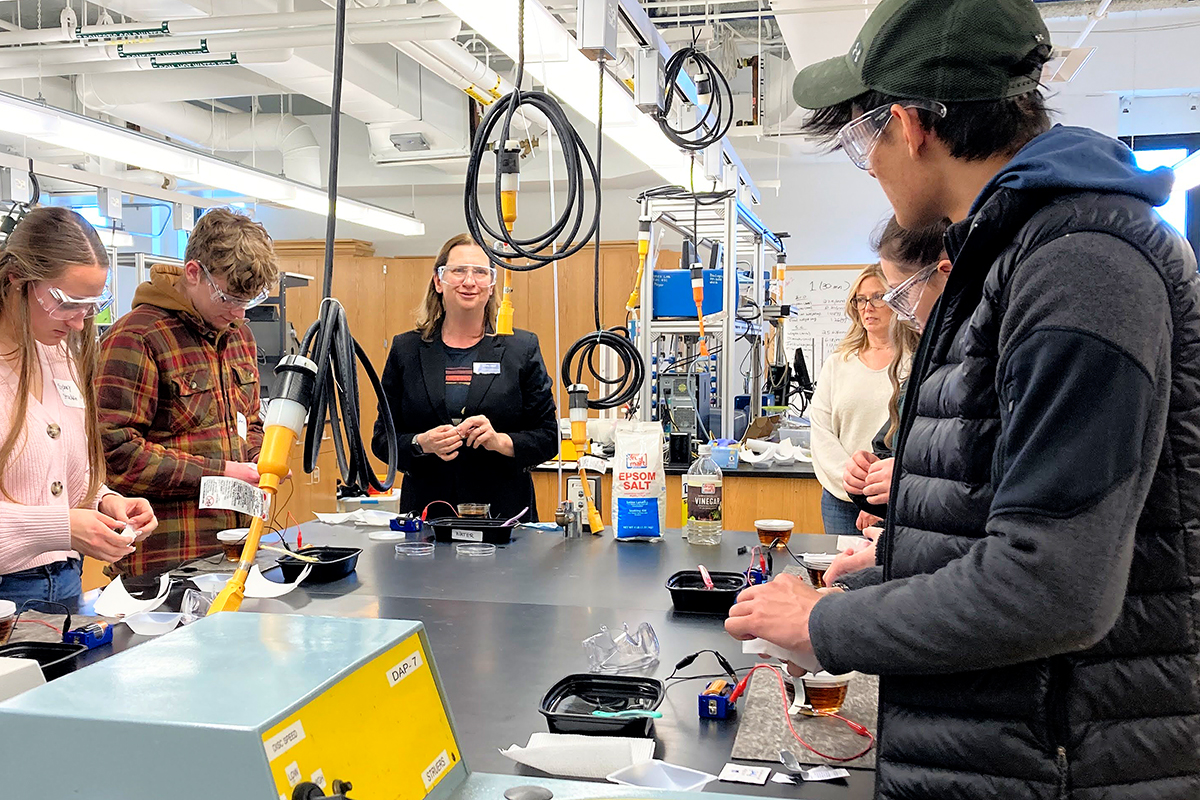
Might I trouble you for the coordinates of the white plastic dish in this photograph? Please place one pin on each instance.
(210, 582)
(233, 535)
(386, 535)
(655, 774)
(152, 623)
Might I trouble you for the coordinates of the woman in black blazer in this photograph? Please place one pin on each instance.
(473, 411)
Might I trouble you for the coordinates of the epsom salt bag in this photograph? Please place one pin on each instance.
(639, 494)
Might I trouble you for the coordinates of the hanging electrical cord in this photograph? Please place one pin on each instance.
(329, 343)
(495, 235)
(713, 92)
(628, 381)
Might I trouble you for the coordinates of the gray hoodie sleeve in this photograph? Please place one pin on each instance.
(1084, 383)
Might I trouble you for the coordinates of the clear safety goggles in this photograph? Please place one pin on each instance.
(859, 137)
(905, 298)
(62, 306)
(457, 274)
(219, 296)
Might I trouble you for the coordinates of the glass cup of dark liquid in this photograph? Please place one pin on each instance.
(474, 509)
(826, 693)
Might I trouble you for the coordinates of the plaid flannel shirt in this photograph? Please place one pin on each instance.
(170, 391)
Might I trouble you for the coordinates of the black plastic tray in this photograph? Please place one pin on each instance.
(690, 596)
(569, 704)
(336, 563)
(55, 658)
(471, 529)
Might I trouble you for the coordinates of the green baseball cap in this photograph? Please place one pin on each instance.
(945, 50)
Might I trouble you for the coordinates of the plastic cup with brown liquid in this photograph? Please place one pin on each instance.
(776, 532)
(816, 564)
(826, 693)
(232, 542)
(8, 618)
(474, 509)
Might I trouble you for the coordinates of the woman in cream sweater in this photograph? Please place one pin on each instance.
(851, 400)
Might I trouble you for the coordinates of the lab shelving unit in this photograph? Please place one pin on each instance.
(745, 240)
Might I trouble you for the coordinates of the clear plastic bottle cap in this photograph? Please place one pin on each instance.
(414, 549)
(475, 549)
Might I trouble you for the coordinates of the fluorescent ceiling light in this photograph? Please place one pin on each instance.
(86, 135)
(1187, 173)
(111, 237)
(551, 57)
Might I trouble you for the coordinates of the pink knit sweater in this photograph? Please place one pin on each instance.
(48, 473)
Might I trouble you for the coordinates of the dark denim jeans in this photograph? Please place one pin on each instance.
(58, 582)
(839, 516)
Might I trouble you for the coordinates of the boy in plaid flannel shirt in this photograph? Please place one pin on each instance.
(178, 387)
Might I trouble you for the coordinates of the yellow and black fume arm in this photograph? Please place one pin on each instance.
(578, 399)
(281, 429)
(510, 179)
(643, 249)
(698, 296)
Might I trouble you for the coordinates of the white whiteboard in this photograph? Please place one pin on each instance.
(818, 322)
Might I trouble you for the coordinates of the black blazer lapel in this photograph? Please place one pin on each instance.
(433, 368)
(491, 349)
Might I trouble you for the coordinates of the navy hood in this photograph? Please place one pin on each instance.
(1069, 159)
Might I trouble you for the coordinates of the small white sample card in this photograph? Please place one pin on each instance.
(818, 773)
(738, 773)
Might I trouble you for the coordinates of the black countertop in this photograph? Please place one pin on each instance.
(504, 628)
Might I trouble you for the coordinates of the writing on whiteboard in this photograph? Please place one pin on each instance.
(818, 322)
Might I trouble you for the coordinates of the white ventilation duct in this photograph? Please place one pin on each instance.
(234, 132)
(105, 92)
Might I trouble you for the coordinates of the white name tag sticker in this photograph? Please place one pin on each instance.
(487, 367)
(405, 668)
(243, 428)
(459, 535)
(234, 495)
(69, 393)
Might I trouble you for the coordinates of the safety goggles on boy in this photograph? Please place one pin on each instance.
(859, 137)
(457, 274)
(219, 296)
(62, 306)
(905, 298)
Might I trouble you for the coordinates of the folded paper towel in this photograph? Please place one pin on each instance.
(576, 756)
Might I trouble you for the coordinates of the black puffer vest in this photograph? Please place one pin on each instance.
(1073, 726)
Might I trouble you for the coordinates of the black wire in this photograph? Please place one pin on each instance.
(335, 128)
(599, 174)
(337, 355)
(328, 341)
(712, 126)
(562, 238)
(629, 379)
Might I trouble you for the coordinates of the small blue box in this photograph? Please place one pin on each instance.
(673, 293)
(725, 457)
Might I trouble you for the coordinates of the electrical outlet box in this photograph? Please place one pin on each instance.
(109, 202)
(577, 501)
(596, 29)
(15, 186)
(648, 75)
(183, 217)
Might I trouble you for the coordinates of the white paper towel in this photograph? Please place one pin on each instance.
(577, 756)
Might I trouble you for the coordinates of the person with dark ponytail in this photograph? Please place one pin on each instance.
(54, 506)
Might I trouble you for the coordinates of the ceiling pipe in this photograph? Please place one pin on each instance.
(115, 169)
(103, 92)
(285, 133)
(1093, 20)
(137, 31)
(212, 46)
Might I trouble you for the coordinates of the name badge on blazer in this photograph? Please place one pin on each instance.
(487, 367)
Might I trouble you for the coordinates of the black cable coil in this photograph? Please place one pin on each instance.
(712, 126)
(551, 244)
(631, 374)
(329, 344)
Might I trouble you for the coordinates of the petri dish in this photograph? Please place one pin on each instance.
(475, 549)
(414, 549)
(386, 535)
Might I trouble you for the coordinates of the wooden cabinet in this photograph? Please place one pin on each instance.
(747, 498)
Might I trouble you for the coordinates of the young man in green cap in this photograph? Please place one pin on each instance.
(1037, 623)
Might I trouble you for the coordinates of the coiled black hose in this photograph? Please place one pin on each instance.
(718, 116)
(329, 344)
(631, 374)
(539, 249)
